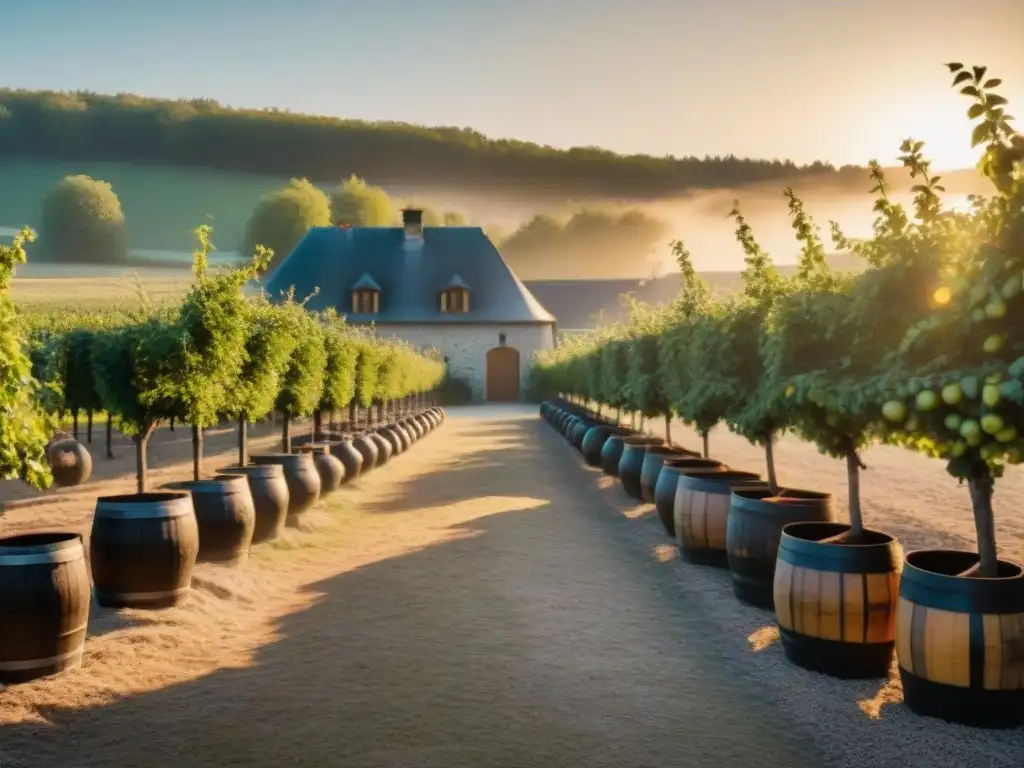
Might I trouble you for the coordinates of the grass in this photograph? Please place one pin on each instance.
(161, 205)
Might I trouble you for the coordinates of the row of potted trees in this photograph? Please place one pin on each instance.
(218, 354)
(923, 349)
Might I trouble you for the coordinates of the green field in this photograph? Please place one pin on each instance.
(161, 205)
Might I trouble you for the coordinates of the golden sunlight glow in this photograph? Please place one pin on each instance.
(942, 295)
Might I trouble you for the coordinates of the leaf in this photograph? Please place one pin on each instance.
(979, 72)
(980, 134)
(994, 99)
(976, 111)
(955, 66)
(995, 82)
(962, 77)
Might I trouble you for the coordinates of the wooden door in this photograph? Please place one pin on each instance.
(503, 375)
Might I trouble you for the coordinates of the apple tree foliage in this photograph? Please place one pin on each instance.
(957, 384)
(24, 424)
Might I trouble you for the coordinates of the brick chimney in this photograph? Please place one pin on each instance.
(412, 220)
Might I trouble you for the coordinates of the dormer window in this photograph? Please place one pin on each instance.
(455, 296)
(365, 296)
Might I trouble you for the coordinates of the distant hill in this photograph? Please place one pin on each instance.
(585, 304)
(202, 133)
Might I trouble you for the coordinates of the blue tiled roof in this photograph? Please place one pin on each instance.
(457, 282)
(365, 282)
(410, 275)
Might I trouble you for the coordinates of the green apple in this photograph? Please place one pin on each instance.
(969, 429)
(1013, 455)
(978, 293)
(993, 343)
(1007, 434)
(959, 449)
(926, 400)
(978, 315)
(953, 422)
(990, 395)
(894, 411)
(952, 394)
(992, 423)
(995, 309)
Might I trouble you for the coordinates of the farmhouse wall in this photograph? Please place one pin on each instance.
(467, 346)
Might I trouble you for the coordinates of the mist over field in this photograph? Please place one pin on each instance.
(162, 206)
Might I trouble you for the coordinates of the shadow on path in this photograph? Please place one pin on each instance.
(530, 637)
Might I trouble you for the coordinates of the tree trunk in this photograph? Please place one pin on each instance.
(243, 439)
(351, 424)
(172, 423)
(197, 452)
(769, 460)
(981, 486)
(318, 431)
(141, 463)
(706, 438)
(74, 423)
(618, 416)
(641, 427)
(668, 429)
(88, 427)
(110, 436)
(286, 434)
(853, 487)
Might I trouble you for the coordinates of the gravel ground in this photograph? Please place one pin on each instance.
(857, 724)
(473, 604)
(486, 600)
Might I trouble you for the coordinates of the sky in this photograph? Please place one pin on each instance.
(801, 79)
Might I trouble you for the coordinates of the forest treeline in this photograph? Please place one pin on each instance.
(203, 133)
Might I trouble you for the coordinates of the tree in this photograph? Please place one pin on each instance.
(688, 314)
(342, 355)
(961, 367)
(207, 363)
(206, 134)
(303, 383)
(359, 204)
(282, 218)
(757, 409)
(82, 221)
(269, 344)
(130, 369)
(24, 428)
(644, 381)
(601, 242)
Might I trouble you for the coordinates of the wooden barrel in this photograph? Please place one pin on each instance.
(960, 640)
(701, 512)
(302, 478)
(352, 459)
(668, 482)
(756, 520)
(330, 469)
(654, 459)
(593, 442)
(611, 454)
(399, 437)
(269, 498)
(383, 448)
(70, 462)
(393, 440)
(632, 462)
(142, 549)
(44, 604)
(368, 449)
(836, 603)
(225, 515)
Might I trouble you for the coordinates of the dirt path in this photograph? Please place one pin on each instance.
(475, 603)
